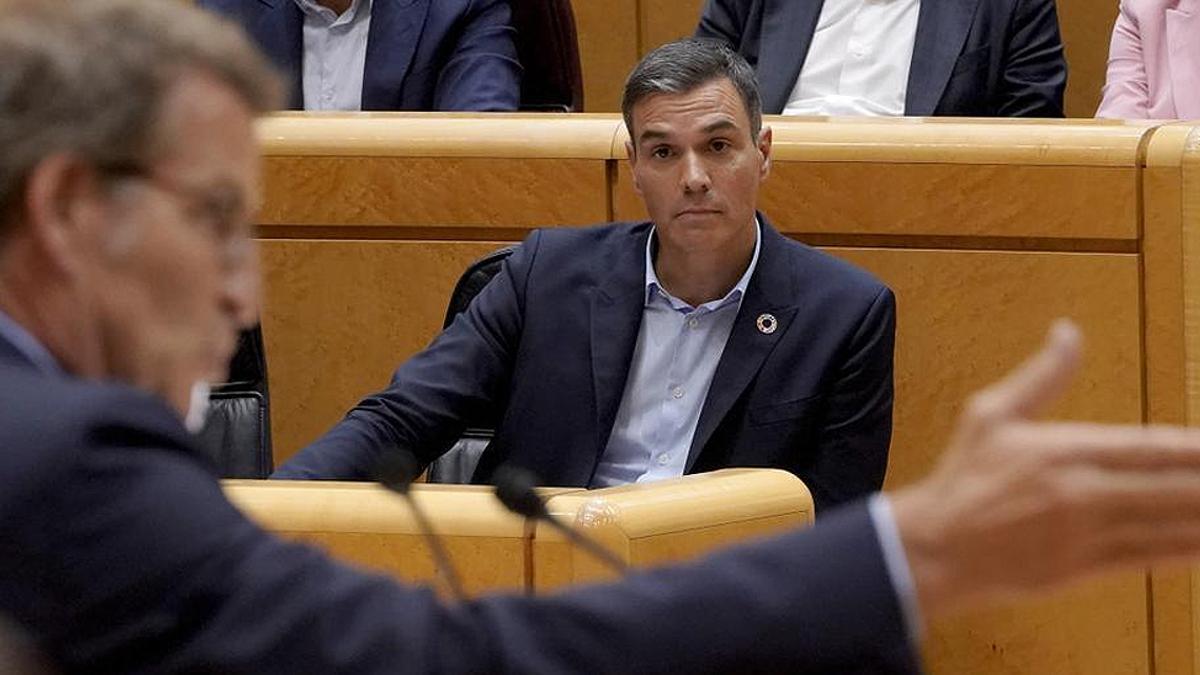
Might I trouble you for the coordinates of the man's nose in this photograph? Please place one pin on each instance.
(695, 176)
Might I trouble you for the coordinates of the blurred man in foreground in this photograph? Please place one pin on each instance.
(127, 185)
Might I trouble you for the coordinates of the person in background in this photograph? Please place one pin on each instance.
(1154, 61)
(978, 58)
(700, 339)
(386, 54)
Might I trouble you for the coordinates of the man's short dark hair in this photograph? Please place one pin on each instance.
(681, 66)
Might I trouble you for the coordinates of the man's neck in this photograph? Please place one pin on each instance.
(697, 277)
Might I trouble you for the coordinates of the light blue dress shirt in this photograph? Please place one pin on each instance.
(678, 348)
(28, 345)
(335, 55)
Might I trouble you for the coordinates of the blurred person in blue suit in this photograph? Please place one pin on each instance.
(386, 54)
(127, 189)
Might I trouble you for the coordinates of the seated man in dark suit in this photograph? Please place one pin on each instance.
(387, 54)
(700, 339)
(976, 58)
(127, 184)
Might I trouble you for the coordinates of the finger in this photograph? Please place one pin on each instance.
(1035, 384)
(1110, 446)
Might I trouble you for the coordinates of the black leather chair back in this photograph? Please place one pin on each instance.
(237, 434)
(548, 48)
(458, 464)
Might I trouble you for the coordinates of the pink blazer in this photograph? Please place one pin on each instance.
(1154, 61)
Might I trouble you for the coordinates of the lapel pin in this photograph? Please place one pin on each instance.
(767, 323)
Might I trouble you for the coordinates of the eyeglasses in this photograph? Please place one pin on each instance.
(218, 213)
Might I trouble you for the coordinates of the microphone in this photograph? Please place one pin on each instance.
(397, 470)
(515, 489)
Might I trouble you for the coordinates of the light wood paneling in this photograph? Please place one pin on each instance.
(375, 191)
(1166, 353)
(656, 523)
(1086, 28)
(608, 49)
(666, 20)
(368, 526)
(339, 316)
(964, 319)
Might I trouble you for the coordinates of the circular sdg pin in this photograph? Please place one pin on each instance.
(767, 323)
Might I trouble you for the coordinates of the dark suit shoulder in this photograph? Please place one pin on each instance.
(813, 268)
(46, 421)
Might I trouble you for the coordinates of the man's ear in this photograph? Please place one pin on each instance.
(764, 149)
(630, 153)
(61, 203)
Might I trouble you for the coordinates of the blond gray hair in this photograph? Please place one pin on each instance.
(90, 77)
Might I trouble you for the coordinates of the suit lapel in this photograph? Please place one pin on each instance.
(788, 27)
(771, 291)
(1183, 58)
(616, 317)
(396, 27)
(942, 28)
(279, 32)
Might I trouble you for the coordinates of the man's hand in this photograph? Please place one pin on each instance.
(1017, 506)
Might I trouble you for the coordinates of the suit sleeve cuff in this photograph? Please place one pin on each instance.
(896, 561)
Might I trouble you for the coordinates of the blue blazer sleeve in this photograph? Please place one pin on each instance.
(482, 72)
(128, 558)
(462, 375)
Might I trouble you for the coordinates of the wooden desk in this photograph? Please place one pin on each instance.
(493, 549)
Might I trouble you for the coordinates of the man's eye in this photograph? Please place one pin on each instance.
(720, 146)
(661, 152)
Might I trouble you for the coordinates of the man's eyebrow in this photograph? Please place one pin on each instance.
(652, 135)
(720, 125)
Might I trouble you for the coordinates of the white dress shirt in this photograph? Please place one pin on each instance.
(335, 55)
(858, 60)
(678, 348)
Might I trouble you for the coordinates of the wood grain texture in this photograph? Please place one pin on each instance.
(608, 49)
(388, 191)
(1166, 355)
(1010, 201)
(947, 140)
(339, 316)
(368, 526)
(964, 319)
(667, 521)
(1087, 30)
(386, 134)
(665, 20)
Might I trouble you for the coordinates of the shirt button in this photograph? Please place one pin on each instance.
(677, 392)
(663, 459)
(692, 323)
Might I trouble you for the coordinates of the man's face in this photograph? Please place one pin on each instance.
(174, 272)
(697, 167)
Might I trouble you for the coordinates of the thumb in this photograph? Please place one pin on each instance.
(1029, 389)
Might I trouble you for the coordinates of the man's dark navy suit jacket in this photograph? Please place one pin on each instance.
(546, 347)
(121, 554)
(977, 58)
(421, 54)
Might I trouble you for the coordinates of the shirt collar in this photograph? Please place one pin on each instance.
(654, 288)
(28, 346)
(314, 9)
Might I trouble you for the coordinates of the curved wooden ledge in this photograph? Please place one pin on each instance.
(950, 141)
(551, 136)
